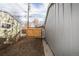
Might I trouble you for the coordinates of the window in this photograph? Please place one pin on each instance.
(6, 25)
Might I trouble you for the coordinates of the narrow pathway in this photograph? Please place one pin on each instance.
(24, 47)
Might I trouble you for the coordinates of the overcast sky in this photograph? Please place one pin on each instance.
(37, 10)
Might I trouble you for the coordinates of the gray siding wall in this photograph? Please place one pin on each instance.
(62, 29)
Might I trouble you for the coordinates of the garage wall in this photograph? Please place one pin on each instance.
(62, 29)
